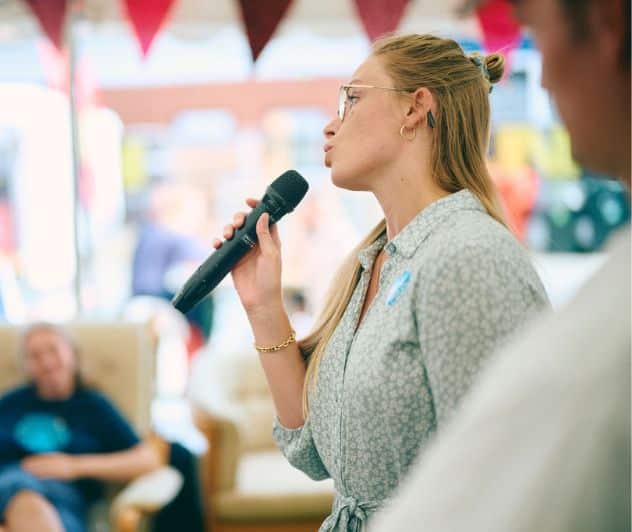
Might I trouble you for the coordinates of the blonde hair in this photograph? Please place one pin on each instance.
(460, 85)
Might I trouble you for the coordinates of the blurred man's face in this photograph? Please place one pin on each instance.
(585, 77)
(50, 362)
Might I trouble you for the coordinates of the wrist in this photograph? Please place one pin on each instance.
(277, 347)
(270, 326)
(263, 314)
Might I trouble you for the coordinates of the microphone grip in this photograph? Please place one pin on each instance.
(210, 273)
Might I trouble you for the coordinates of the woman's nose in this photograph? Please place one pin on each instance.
(331, 128)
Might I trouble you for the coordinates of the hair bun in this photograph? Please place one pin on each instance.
(495, 66)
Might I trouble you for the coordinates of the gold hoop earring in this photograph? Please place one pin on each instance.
(402, 134)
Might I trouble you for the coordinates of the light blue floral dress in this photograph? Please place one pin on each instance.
(455, 284)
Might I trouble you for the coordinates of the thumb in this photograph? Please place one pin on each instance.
(263, 234)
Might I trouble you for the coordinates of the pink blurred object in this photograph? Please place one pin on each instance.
(55, 66)
(7, 236)
(501, 31)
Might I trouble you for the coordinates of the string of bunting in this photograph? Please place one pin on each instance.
(261, 19)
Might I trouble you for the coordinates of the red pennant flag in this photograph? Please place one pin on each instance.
(147, 16)
(501, 31)
(261, 18)
(380, 16)
(51, 15)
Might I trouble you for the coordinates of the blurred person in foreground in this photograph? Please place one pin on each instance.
(60, 440)
(542, 443)
(420, 303)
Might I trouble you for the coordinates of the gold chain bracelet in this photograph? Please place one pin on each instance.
(275, 348)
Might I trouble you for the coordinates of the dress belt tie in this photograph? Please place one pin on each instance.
(349, 514)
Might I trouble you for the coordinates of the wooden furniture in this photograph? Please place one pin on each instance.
(248, 484)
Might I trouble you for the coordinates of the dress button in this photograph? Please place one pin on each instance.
(390, 248)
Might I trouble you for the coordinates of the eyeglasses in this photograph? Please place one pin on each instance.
(347, 101)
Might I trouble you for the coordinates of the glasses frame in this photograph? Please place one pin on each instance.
(343, 96)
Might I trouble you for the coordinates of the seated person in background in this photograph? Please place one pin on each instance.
(60, 440)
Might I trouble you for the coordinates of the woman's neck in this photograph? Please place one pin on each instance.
(402, 198)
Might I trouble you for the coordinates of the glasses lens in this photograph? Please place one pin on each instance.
(342, 100)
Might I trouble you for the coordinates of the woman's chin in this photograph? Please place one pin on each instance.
(347, 182)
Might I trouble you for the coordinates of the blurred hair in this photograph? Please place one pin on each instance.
(60, 332)
(577, 13)
(460, 85)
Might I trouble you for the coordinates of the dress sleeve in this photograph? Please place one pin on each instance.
(298, 446)
(473, 299)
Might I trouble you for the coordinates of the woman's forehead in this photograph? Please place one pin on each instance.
(370, 72)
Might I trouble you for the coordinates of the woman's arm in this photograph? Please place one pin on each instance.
(120, 466)
(257, 279)
(284, 369)
(474, 299)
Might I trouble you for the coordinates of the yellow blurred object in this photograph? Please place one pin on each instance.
(514, 145)
(553, 154)
(134, 160)
(517, 146)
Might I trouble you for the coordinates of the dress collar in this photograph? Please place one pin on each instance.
(421, 226)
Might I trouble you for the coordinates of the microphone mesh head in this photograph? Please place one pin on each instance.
(291, 186)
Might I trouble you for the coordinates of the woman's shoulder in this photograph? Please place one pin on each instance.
(474, 233)
(473, 240)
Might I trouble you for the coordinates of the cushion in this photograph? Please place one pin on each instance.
(268, 487)
(233, 386)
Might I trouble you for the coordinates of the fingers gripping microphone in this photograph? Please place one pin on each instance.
(283, 194)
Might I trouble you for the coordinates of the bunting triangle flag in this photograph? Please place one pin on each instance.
(147, 17)
(380, 17)
(50, 15)
(501, 30)
(261, 19)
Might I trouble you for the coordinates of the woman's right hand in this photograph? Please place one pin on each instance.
(257, 276)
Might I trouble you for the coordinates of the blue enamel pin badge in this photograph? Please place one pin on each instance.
(398, 288)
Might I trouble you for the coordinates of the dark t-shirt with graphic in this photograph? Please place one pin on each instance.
(85, 423)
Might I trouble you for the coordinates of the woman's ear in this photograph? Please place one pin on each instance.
(420, 103)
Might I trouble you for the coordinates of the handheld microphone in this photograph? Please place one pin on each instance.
(281, 197)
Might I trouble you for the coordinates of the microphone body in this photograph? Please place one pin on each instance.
(277, 201)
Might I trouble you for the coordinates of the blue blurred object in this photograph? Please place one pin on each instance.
(42, 433)
(577, 215)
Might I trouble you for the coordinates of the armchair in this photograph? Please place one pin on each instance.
(248, 484)
(117, 359)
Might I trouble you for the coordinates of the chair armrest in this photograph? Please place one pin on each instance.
(160, 446)
(219, 463)
(143, 496)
